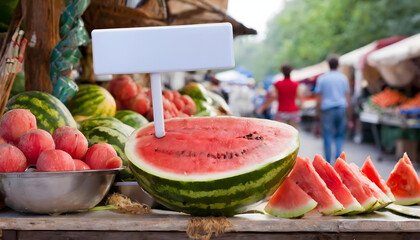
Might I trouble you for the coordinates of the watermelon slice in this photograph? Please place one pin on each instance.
(343, 156)
(212, 166)
(362, 194)
(289, 201)
(383, 199)
(307, 178)
(404, 183)
(407, 160)
(334, 183)
(370, 171)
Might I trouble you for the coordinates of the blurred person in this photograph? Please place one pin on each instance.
(286, 92)
(333, 100)
(241, 100)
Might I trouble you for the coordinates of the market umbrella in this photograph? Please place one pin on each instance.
(232, 77)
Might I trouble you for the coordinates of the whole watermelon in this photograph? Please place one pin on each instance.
(212, 166)
(90, 101)
(50, 112)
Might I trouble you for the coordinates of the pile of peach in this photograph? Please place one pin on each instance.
(22, 144)
(130, 95)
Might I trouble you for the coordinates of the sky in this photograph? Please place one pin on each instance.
(254, 13)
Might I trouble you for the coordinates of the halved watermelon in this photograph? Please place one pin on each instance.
(354, 184)
(334, 183)
(213, 165)
(305, 176)
(289, 201)
(404, 183)
(382, 198)
(370, 171)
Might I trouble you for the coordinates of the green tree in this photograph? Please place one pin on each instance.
(307, 31)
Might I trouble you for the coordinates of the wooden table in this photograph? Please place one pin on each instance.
(161, 224)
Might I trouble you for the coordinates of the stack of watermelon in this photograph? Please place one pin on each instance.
(342, 189)
(131, 95)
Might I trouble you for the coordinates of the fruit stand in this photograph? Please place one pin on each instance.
(75, 158)
(385, 85)
(168, 225)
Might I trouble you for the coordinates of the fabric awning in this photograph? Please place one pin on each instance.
(301, 74)
(397, 52)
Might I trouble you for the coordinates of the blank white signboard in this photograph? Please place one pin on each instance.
(163, 49)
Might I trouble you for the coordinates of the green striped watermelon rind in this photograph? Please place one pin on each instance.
(50, 112)
(117, 139)
(92, 100)
(219, 197)
(295, 213)
(131, 118)
(111, 122)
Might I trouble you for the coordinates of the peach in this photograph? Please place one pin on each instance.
(54, 160)
(101, 156)
(114, 162)
(15, 123)
(168, 95)
(139, 103)
(116, 81)
(11, 159)
(70, 140)
(139, 88)
(179, 104)
(190, 107)
(176, 94)
(34, 142)
(80, 165)
(2, 140)
(125, 89)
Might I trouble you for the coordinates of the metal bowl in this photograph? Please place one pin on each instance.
(55, 192)
(135, 192)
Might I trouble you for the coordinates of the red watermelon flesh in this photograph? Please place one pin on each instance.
(289, 201)
(334, 183)
(307, 178)
(407, 160)
(404, 183)
(383, 199)
(354, 184)
(220, 154)
(343, 156)
(370, 171)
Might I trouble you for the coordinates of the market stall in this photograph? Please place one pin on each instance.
(86, 160)
(394, 107)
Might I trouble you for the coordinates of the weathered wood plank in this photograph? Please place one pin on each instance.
(112, 235)
(167, 221)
